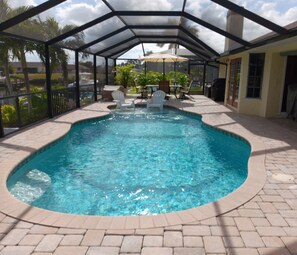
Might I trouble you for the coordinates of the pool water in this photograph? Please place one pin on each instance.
(133, 164)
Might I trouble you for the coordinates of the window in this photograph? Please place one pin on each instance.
(256, 67)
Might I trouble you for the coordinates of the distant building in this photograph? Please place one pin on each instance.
(33, 67)
(38, 67)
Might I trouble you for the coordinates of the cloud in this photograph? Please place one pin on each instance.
(216, 15)
(269, 11)
(279, 12)
(213, 14)
(144, 5)
(77, 12)
(137, 52)
(18, 3)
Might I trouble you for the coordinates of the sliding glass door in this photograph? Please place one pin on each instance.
(234, 81)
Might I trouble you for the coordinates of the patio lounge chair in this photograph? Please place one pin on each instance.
(185, 91)
(119, 98)
(157, 100)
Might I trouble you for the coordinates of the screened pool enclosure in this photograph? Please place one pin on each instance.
(46, 46)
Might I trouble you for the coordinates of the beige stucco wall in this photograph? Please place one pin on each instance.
(269, 105)
(222, 70)
(275, 84)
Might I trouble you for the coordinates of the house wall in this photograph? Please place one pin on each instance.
(222, 71)
(269, 104)
(275, 84)
(251, 106)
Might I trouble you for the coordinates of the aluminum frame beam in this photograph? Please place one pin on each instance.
(251, 16)
(80, 28)
(29, 14)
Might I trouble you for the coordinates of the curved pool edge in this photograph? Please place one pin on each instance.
(17, 209)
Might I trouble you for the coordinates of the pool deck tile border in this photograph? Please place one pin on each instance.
(27, 142)
(61, 125)
(266, 224)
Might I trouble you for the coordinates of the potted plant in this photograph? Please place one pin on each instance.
(124, 75)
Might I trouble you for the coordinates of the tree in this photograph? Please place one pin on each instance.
(13, 48)
(21, 47)
(4, 61)
(58, 57)
(5, 46)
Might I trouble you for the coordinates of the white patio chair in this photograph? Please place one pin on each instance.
(119, 98)
(157, 100)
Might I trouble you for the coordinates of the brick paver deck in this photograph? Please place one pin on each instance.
(266, 224)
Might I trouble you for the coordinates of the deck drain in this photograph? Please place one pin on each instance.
(283, 177)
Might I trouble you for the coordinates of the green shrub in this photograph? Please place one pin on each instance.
(178, 77)
(9, 115)
(124, 75)
(141, 79)
(154, 77)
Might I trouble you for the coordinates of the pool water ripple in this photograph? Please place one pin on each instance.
(133, 164)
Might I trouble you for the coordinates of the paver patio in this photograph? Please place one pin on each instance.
(266, 224)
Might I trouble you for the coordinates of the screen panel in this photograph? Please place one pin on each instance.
(279, 12)
(156, 32)
(123, 46)
(94, 32)
(111, 41)
(146, 5)
(11, 8)
(209, 37)
(216, 15)
(59, 19)
(151, 20)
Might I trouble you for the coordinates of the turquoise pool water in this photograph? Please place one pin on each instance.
(133, 164)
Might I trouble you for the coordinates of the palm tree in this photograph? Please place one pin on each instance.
(4, 61)
(19, 48)
(15, 48)
(58, 57)
(5, 46)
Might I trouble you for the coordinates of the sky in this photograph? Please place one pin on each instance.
(78, 12)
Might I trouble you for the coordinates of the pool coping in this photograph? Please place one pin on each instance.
(17, 209)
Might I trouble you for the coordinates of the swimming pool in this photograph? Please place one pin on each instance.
(133, 164)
